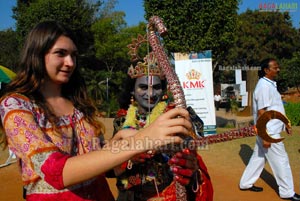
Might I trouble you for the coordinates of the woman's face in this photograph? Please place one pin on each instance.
(147, 92)
(60, 61)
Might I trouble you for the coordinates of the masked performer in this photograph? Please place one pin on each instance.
(153, 175)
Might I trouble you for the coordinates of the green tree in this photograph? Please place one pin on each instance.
(9, 49)
(111, 39)
(261, 35)
(197, 25)
(107, 40)
(78, 15)
(291, 71)
(104, 86)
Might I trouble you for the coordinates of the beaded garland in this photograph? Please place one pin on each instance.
(131, 116)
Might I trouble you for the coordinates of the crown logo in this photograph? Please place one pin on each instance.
(193, 75)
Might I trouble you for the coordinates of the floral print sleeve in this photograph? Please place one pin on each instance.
(28, 141)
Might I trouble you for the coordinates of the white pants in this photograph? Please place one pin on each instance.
(279, 163)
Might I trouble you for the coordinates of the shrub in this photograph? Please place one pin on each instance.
(292, 111)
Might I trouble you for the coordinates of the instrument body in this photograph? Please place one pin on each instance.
(262, 123)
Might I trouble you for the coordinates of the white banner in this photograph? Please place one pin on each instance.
(243, 88)
(195, 74)
(245, 99)
(238, 76)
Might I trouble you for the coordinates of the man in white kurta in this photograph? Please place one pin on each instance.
(265, 98)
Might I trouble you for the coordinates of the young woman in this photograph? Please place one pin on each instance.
(53, 128)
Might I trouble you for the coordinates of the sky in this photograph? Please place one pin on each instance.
(135, 12)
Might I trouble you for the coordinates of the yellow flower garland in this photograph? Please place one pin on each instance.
(131, 120)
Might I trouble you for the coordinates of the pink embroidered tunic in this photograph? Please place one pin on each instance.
(43, 151)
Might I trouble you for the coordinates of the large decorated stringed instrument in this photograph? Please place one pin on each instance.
(156, 25)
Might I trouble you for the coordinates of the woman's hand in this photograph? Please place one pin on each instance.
(184, 164)
(124, 133)
(164, 129)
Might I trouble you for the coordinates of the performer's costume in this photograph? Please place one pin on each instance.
(153, 179)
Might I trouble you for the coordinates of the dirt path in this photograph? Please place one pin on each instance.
(225, 161)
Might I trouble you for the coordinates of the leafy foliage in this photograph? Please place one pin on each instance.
(78, 15)
(111, 37)
(9, 49)
(198, 25)
(292, 112)
(111, 40)
(103, 87)
(261, 35)
(291, 71)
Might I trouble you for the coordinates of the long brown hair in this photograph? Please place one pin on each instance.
(32, 73)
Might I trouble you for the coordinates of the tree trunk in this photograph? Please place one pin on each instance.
(252, 79)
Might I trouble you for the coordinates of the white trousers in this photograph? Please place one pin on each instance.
(279, 163)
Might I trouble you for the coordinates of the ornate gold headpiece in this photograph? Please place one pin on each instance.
(149, 65)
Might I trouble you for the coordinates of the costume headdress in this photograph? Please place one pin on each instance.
(148, 65)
